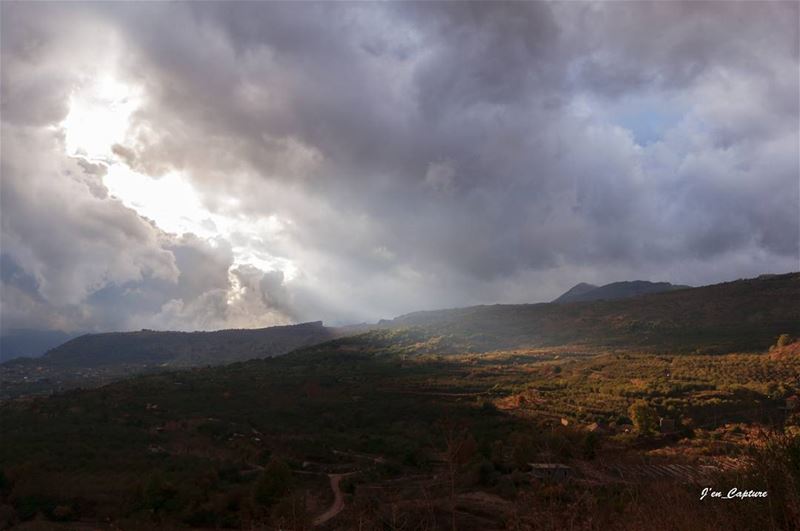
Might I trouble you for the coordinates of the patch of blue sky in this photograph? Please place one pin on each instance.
(648, 118)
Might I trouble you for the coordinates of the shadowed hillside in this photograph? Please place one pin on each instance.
(30, 343)
(615, 290)
(185, 348)
(575, 291)
(95, 359)
(745, 315)
(378, 427)
(739, 315)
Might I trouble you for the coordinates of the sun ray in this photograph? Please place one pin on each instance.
(99, 117)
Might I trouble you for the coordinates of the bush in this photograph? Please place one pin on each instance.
(63, 513)
(487, 406)
(274, 482)
(783, 340)
(29, 506)
(487, 475)
(506, 488)
(157, 494)
(777, 470)
(590, 445)
(644, 417)
(348, 485)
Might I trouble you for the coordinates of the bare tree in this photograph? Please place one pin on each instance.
(460, 448)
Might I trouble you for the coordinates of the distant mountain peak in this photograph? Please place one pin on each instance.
(30, 343)
(148, 348)
(576, 291)
(616, 290)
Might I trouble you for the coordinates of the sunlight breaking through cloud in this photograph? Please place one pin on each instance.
(382, 158)
(99, 119)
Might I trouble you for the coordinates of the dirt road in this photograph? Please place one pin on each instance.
(338, 499)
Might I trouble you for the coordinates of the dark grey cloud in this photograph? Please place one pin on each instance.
(417, 154)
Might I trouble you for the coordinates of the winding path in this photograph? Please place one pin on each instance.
(338, 499)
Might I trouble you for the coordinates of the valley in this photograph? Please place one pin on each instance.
(473, 419)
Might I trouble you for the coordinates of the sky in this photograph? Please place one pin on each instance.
(231, 165)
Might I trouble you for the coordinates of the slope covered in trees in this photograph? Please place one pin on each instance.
(616, 290)
(740, 315)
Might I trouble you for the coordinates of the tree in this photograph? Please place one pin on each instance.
(590, 445)
(460, 449)
(157, 493)
(783, 340)
(273, 483)
(644, 417)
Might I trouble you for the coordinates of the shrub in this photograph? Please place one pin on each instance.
(487, 475)
(157, 493)
(783, 340)
(273, 483)
(590, 445)
(777, 470)
(644, 417)
(63, 513)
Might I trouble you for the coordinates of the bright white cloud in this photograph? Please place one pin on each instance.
(99, 119)
(99, 116)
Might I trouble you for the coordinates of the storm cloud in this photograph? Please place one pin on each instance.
(349, 162)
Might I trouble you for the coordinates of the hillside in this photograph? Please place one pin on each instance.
(740, 315)
(184, 348)
(436, 442)
(576, 291)
(745, 315)
(94, 359)
(616, 290)
(30, 343)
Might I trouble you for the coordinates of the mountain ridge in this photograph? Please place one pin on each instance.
(151, 347)
(30, 343)
(741, 314)
(576, 291)
(584, 292)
